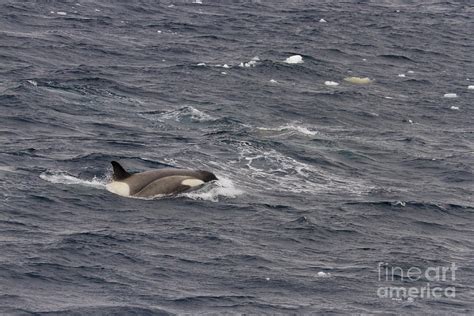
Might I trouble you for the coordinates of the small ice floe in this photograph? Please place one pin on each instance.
(225, 66)
(331, 83)
(295, 59)
(358, 80)
(402, 75)
(410, 72)
(322, 21)
(201, 64)
(52, 12)
(224, 73)
(97, 10)
(322, 274)
(197, 1)
(251, 63)
(273, 81)
(61, 13)
(159, 32)
(364, 59)
(470, 87)
(267, 279)
(32, 82)
(450, 95)
(453, 107)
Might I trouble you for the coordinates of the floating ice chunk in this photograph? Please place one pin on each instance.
(32, 82)
(201, 64)
(267, 279)
(197, 1)
(61, 13)
(454, 107)
(97, 10)
(159, 31)
(470, 87)
(323, 21)
(401, 75)
(251, 63)
(364, 59)
(358, 80)
(322, 274)
(225, 66)
(450, 95)
(295, 59)
(331, 83)
(273, 81)
(224, 73)
(410, 121)
(52, 12)
(410, 72)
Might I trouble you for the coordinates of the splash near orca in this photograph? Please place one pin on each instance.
(151, 183)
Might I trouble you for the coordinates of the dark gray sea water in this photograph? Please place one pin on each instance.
(332, 198)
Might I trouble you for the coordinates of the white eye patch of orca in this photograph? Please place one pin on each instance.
(192, 182)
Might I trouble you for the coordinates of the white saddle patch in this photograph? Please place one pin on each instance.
(192, 182)
(120, 188)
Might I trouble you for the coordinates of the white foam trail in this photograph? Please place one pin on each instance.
(271, 169)
(290, 127)
(60, 177)
(7, 168)
(224, 187)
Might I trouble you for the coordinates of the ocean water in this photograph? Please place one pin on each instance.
(328, 194)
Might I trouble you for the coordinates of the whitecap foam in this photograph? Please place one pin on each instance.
(402, 75)
(453, 107)
(60, 177)
(471, 87)
(295, 59)
(224, 187)
(291, 127)
(184, 113)
(322, 21)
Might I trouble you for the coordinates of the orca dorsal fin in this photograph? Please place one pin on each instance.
(119, 172)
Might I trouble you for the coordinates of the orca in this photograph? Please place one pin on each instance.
(167, 181)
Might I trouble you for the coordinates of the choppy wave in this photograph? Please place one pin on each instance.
(61, 177)
(291, 127)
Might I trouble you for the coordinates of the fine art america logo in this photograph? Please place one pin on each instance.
(437, 275)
